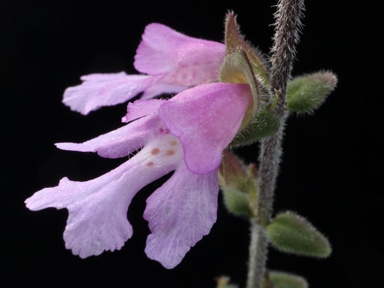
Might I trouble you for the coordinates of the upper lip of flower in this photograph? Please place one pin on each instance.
(205, 119)
(170, 63)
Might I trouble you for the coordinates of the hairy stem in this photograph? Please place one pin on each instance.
(283, 52)
(257, 255)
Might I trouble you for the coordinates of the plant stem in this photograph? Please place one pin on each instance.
(283, 52)
(257, 254)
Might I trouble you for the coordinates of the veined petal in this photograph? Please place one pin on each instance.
(180, 213)
(206, 118)
(120, 142)
(100, 90)
(186, 61)
(98, 208)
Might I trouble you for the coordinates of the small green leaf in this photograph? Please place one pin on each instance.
(264, 124)
(291, 233)
(306, 93)
(237, 202)
(286, 280)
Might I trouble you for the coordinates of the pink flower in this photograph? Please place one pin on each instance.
(170, 61)
(186, 135)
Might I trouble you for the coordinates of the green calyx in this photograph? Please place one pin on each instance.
(237, 202)
(234, 41)
(244, 64)
(306, 93)
(291, 233)
(238, 184)
(262, 125)
(236, 68)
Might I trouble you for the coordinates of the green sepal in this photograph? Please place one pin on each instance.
(291, 233)
(237, 203)
(236, 68)
(234, 40)
(286, 280)
(233, 171)
(306, 93)
(264, 124)
(238, 184)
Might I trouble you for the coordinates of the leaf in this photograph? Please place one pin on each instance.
(306, 93)
(291, 233)
(286, 280)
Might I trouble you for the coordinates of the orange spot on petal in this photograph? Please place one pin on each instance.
(155, 151)
(149, 164)
(170, 152)
(173, 143)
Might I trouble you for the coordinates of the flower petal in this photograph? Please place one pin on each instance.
(100, 90)
(205, 119)
(97, 208)
(160, 88)
(180, 213)
(187, 61)
(120, 142)
(141, 108)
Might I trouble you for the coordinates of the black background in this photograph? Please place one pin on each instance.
(332, 164)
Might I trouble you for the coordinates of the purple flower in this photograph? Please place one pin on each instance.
(186, 135)
(170, 61)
